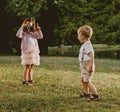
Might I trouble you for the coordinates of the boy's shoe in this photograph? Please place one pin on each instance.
(25, 82)
(95, 97)
(84, 95)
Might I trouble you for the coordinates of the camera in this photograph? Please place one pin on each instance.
(28, 28)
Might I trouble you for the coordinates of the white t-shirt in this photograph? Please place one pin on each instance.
(85, 49)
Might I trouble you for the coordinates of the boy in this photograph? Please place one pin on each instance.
(86, 59)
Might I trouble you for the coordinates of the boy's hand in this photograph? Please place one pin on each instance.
(90, 70)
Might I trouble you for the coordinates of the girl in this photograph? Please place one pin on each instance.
(29, 33)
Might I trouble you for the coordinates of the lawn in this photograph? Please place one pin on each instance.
(58, 86)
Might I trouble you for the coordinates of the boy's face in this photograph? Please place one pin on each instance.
(80, 37)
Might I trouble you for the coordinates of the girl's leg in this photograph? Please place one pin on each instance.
(30, 73)
(25, 75)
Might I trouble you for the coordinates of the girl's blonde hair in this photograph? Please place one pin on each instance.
(86, 30)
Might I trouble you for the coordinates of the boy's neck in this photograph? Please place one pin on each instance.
(85, 40)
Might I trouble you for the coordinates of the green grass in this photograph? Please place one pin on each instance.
(58, 86)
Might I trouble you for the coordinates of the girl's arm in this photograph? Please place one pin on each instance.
(91, 62)
(20, 33)
(38, 34)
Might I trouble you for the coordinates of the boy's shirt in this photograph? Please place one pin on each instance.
(85, 49)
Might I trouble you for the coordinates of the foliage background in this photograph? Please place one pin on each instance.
(59, 20)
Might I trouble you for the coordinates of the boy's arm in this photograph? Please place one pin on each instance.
(91, 62)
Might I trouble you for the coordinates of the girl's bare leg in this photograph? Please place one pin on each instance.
(25, 74)
(30, 73)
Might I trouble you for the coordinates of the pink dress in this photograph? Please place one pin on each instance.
(29, 47)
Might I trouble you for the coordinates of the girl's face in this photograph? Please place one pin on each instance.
(29, 23)
(80, 37)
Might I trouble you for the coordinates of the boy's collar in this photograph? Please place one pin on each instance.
(88, 41)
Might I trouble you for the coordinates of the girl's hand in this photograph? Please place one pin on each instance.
(24, 25)
(38, 28)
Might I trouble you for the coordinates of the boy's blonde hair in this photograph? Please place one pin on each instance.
(86, 30)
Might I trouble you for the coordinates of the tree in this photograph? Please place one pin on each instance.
(77, 13)
(25, 8)
(68, 14)
(5, 29)
(44, 10)
(60, 20)
(113, 29)
(102, 15)
(48, 20)
(41, 10)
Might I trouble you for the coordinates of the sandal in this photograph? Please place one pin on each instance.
(31, 82)
(94, 97)
(25, 82)
(84, 95)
